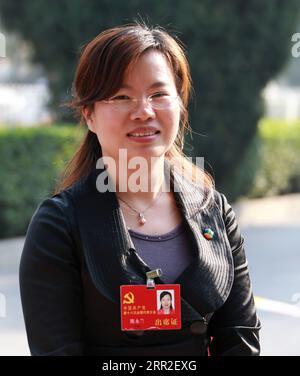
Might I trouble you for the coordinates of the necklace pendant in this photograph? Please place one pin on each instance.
(142, 219)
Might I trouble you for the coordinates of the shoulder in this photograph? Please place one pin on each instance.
(61, 205)
(56, 209)
(51, 234)
(220, 201)
(50, 217)
(55, 217)
(222, 204)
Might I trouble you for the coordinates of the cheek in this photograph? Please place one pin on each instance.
(108, 125)
(172, 120)
(175, 118)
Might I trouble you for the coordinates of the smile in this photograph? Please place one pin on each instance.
(146, 134)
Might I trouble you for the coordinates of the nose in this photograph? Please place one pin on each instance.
(142, 110)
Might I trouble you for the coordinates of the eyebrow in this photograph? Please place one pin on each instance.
(154, 85)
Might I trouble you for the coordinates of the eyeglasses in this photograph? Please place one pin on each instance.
(158, 101)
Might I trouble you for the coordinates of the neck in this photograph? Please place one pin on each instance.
(141, 185)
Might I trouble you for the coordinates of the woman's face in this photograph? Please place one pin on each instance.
(114, 127)
(166, 302)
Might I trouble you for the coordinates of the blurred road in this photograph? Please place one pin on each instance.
(271, 228)
(13, 339)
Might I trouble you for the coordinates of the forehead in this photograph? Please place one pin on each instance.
(152, 68)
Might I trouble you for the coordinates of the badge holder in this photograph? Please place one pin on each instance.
(150, 277)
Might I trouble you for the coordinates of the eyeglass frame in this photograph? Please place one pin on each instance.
(148, 100)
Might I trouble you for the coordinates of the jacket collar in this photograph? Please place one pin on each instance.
(112, 260)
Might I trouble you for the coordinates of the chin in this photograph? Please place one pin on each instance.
(146, 153)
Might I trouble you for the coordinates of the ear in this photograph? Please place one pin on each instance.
(89, 118)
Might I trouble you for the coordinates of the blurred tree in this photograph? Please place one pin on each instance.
(234, 48)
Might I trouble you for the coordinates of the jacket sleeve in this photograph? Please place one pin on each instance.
(50, 284)
(234, 328)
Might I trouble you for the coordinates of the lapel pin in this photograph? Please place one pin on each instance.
(208, 233)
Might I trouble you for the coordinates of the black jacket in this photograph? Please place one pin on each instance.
(78, 252)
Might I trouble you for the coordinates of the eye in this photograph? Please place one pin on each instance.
(159, 95)
(120, 98)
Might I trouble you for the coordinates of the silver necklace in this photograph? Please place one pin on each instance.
(141, 217)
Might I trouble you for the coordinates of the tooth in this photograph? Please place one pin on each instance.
(142, 134)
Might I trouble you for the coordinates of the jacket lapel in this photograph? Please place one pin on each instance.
(208, 280)
(112, 260)
(105, 240)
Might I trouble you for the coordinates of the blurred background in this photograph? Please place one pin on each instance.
(245, 117)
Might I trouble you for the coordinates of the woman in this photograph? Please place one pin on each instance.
(166, 307)
(110, 222)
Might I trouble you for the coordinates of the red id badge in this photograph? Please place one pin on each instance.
(156, 308)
